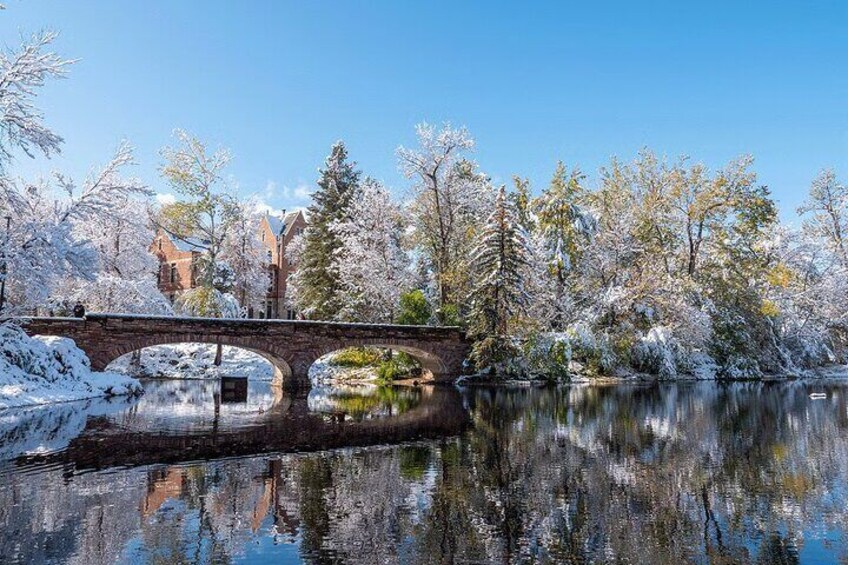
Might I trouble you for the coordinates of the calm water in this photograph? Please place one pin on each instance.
(701, 473)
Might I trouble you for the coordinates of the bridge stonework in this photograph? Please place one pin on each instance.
(290, 346)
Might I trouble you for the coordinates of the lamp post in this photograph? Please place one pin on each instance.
(3, 266)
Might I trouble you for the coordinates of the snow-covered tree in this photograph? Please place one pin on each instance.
(827, 207)
(126, 279)
(316, 285)
(206, 210)
(499, 266)
(112, 293)
(806, 298)
(204, 217)
(450, 198)
(44, 246)
(565, 228)
(22, 74)
(245, 254)
(373, 269)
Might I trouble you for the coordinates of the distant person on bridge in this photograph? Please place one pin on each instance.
(79, 310)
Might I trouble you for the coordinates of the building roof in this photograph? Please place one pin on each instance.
(288, 221)
(282, 225)
(277, 224)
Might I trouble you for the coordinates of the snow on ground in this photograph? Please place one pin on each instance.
(44, 370)
(194, 361)
(324, 371)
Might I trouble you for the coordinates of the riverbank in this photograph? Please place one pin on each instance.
(819, 373)
(47, 370)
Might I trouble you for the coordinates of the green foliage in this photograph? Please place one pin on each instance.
(561, 220)
(207, 302)
(522, 200)
(449, 315)
(414, 309)
(206, 211)
(357, 357)
(388, 365)
(547, 356)
(399, 366)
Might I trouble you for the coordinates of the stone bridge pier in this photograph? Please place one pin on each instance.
(291, 346)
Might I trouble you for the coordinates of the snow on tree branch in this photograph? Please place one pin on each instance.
(22, 73)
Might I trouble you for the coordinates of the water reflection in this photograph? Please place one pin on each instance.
(364, 402)
(703, 473)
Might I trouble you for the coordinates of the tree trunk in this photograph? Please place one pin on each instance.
(135, 362)
(218, 355)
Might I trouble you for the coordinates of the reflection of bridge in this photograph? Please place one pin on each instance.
(290, 346)
(289, 426)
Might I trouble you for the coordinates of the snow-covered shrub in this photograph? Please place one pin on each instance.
(592, 349)
(50, 369)
(810, 350)
(657, 353)
(736, 342)
(205, 302)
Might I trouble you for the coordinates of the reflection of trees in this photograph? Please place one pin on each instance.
(671, 472)
(363, 402)
(688, 473)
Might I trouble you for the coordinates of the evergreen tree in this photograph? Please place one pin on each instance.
(499, 263)
(317, 285)
(564, 226)
(523, 202)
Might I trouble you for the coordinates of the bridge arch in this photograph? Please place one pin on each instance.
(432, 365)
(281, 367)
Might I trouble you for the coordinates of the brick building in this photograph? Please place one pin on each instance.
(178, 260)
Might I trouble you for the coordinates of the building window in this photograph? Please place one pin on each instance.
(160, 244)
(270, 256)
(159, 277)
(173, 276)
(263, 235)
(269, 309)
(290, 314)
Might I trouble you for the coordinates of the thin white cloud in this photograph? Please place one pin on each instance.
(302, 192)
(165, 198)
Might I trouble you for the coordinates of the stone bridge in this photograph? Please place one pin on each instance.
(291, 346)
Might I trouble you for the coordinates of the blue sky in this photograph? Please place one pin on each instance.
(279, 82)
